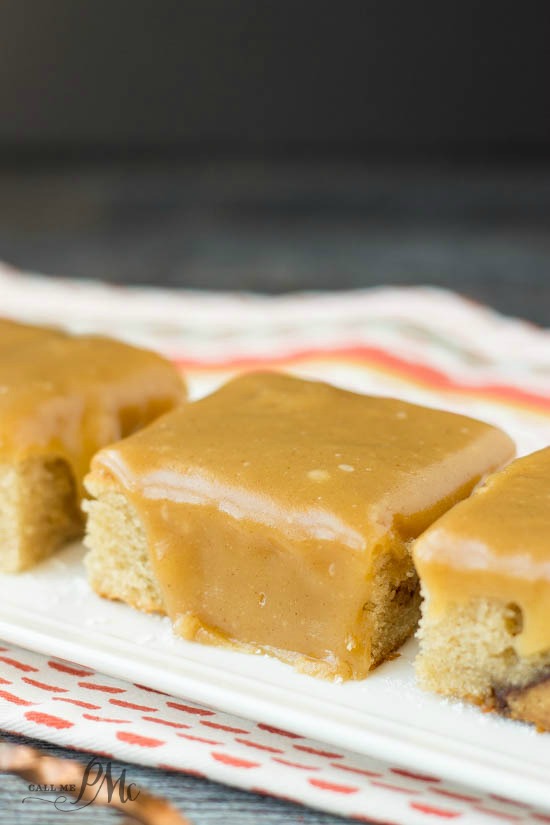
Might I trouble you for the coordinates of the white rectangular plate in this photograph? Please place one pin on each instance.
(52, 610)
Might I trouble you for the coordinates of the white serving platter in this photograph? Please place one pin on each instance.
(51, 610)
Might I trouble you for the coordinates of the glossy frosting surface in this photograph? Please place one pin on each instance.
(68, 396)
(497, 545)
(268, 503)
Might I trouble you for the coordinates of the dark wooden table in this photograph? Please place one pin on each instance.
(272, 227)
(482, 230)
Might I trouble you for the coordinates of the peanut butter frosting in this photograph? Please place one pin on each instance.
(269, 505)
(67, 396)
(496, 545)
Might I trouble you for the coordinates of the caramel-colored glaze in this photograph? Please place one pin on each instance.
(67, 396)
(268, 504)
(496, 545)
(14, 334)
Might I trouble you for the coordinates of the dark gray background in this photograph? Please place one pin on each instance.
(458, 75)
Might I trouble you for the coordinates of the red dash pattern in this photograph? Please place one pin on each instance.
(77, 702)
(122, 703)
(166, 722)
(452, 795)
(317, 752)
(443, 813)
(397, 788)
(101, 688)
(70, 669)
(271, 729)
(199, 739)
(296, 764)
(218, 726)
(420, 777)
(48, 720)
(15, 700)
(258, 746)
(19, 665)
(190, 709)
(140, 741)
(505, 817)
(150, 689)
(42, 686)
(234, 761)
(332, 786)
(359, 771)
